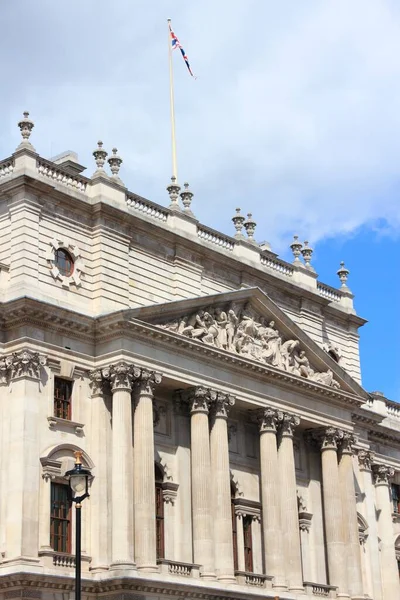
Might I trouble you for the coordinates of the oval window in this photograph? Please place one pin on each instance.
(64, 262)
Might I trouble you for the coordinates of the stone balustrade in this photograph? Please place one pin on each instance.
(214, 237)
(50, 170)
(320, 590)
(280, 266)
(6, 167)
(180, 569)
(148, 208)
(328, 292)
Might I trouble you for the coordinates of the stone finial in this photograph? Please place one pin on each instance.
(173, 190)
(238, 221)
(296, 248)
(343, 274)
(26, 126)
(186, 197)
(250, 227)
(115, 163)
(100, 156)
(307, 253)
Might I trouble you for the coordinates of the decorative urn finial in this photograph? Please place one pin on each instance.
(100, 156)
(26, 126)
(307, 253)
(115, 163)
(250, 227)
(186, 197)
(173, 190)
(238, 221)
(343, 275)
(296, 248)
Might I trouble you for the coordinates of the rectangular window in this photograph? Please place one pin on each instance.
(159, 521)
(248, 544)
(62, 398)
(396, 497)
(60, 518)
(234, 538)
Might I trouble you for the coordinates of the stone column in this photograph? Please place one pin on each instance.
(389, 569)
(240, 540)
(349, 508)
(305, 524)
(44, 512)
(271, 498)
(144, 480)
(5, 430)
(221, 483)
(121, 376)
(99, 490)
(203, 542)
(22, 492)
(373, 569)
(289, 508)
(333, 513)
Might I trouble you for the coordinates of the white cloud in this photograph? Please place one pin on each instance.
(294, 116)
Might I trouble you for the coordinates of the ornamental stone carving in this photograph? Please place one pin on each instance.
(241, 331)
(347, 442)
(269, 419)
(78, 264)
(23, 364)
(288, 424)
(121, 375)
(199, 398)
(365, 459)
(327, 438)
(147, 381)
(96, 382)
(382, 474)
(222, 404)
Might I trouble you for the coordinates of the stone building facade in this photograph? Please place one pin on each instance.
(213, 388)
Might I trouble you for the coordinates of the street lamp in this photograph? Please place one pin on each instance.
(79, 482)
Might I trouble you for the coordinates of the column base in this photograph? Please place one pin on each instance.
(99, 568)
(208, 575)
(297, 589)
(227, 578)
(120, 565)
(148, 568)
(279, 585)
(343, 596)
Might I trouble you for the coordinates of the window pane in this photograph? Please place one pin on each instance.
(60, 518)
(62, 398)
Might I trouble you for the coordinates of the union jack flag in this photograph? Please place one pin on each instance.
(175, 43)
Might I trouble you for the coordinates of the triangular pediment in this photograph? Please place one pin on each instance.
(249, 324)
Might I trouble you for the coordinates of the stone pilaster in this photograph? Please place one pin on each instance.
(271, 497)
(334, 525)
(121, 376)
(144, 480)
(349, 508)
(390, 574)
(99, 489)
(289, 509)
(203, 542)
(220, 477)
(372, 568)
(23, 479)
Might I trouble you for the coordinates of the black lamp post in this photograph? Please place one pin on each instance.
(79, 482)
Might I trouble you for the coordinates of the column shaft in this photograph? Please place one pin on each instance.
(334, 525)
(349, 508)
(240, 542)
(289, 508)
(220, 477)
(203, 543)
(270, 498)
(390, 573)
(144, 475)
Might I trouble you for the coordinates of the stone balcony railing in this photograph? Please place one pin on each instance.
(50, 170)
(253, 579)
(6, 167)
(180, 569)
(381, 405)
(63, 560)
(320, 590)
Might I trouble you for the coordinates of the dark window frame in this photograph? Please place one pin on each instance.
(60, 517)
(248, 544)
(395, 492)
(62, 398)
(159, 510)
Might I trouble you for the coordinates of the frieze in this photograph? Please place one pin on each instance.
(241, 331)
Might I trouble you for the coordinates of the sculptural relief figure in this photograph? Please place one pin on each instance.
(242, 332)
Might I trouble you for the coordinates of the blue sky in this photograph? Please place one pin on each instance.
(294, 117)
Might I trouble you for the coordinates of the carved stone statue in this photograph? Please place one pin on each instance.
(242, 332)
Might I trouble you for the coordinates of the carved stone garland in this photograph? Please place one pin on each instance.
(241, 331)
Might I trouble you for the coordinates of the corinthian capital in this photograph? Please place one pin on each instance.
(288, 424)
(327, 438)
(347, 442)
(96, 381)
(198, 398)
(382, 474)
(120, 375)
(147, 381)
(4, 371)
(365, 459)
(221, 405)
(269, 419)
(25, 364)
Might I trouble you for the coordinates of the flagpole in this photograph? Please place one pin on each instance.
(172, 106)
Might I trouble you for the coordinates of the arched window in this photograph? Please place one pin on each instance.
(234, 529)
(159, 512)
(64, 261)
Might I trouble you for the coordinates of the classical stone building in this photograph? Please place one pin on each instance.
(213, 388)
